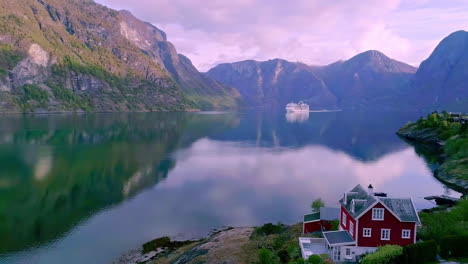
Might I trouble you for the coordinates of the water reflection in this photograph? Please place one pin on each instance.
(88, 188)
(297, 117)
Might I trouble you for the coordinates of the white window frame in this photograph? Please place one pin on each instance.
(382, 232)
(351, 228)
(348, 252)
(343, 219)
(408, 233)
(364, 232)
(375, 214)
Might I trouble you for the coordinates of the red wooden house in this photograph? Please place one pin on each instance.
(368, 221)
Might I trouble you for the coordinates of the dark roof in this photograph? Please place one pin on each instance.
(362, 200)
(329, 213)
(359, 200)
(312, 217)
(402, 208)
(338, 237)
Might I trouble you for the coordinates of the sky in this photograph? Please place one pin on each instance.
(316, 32)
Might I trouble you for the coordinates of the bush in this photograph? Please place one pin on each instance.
(265, 257)
(283, 255)
(269, 229)
(454, 246)
(315, 259)
(389, 254)
(422, 252)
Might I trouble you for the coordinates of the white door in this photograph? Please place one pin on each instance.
(336, 253)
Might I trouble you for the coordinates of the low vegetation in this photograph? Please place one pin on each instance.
(31, 96)
(439, 224)
(454, 138)
(389, 254)
(276, 244)
(9, 58)
(164, 243)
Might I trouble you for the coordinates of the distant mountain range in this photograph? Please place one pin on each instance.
(76, 55)
(368, 80)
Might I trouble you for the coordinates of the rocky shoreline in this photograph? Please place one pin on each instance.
(429, 136)
(225, 246)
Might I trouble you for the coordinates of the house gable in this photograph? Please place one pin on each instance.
(390, 222)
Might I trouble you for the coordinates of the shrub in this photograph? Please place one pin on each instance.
(315, 259)
(335, 224)
(454, 246)
(389, 254)
(265, 257)
(269, 229)
(422, 252)
(283, 255)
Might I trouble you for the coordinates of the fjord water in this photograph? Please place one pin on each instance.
(88, 188)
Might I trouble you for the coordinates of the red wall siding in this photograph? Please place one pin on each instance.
(389, 222)
(349, 219)
(311, 227)
(316, 226)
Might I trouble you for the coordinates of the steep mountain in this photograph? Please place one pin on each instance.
(274, 82)
(442, 79)
(366, 80)
(76, 55)
(369, 79)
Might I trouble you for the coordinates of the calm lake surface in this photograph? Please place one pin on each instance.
(89, 188)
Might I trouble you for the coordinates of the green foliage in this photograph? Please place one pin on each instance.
(455, 136)
(335, 225)
(316, 204)
(70, 99)
(437, 225)
(9, 58)
(454, 246)
(389, 254)
(419, 253)
(283, 256)
(315, 259)
(31, 95)
(163, 242)
(265, 256)
(269, 229)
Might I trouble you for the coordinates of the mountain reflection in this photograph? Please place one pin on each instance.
(58, 170)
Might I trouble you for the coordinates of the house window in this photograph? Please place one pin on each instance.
(378, 214)
(344, 219)
(367, 232)
(385, 234)
(406, 233)
(348, 251)
(351, 228)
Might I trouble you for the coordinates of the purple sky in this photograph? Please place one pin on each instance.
(318, 32)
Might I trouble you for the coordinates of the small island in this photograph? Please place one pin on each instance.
(442, 138)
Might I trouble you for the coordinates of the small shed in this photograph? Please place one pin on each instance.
(320, 221)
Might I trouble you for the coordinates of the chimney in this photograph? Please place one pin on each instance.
(370, 189)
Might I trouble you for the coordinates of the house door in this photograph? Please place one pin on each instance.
(336, 253)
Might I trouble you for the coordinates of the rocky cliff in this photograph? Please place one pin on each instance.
(441, 81)
(76, 55)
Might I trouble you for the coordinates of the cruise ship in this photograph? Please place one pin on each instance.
(299, 107)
